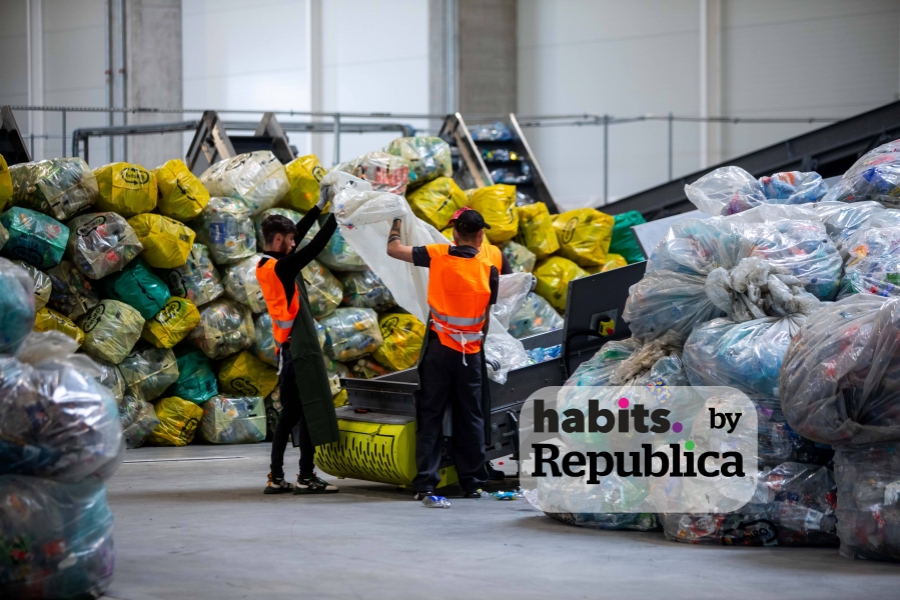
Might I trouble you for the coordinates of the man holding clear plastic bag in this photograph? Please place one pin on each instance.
(462, 286)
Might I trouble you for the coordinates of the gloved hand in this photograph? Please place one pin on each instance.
(494, 364)
(323, 197)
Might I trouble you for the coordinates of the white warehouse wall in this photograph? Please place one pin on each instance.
(779, 58)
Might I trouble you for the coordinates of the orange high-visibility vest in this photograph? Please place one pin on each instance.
(493, 255)
(459, 294)
(281, 312)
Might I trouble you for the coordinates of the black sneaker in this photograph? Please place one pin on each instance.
(314, 485)
(277, 485)
(475, 494)
(422, 495)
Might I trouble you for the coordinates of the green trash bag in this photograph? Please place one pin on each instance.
(138, 287)
(149, 371)
(624, 241)
(34, 238)
(111, 329)
(196, 380)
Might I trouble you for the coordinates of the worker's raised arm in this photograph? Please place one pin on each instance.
(395, 249)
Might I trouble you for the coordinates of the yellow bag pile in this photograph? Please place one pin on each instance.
(178, 421)
(584, 235)
(613, 261)
(304, 175)
(436, 201)
(403, 337)
(167, 243)
(553, 277)
(245, 375)
(497, 205)
(181, 195)
(536, 231)
(126, 189)
(6, 188)
(46, 319)
(171, 324)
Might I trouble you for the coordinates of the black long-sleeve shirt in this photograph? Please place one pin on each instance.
(288, 266)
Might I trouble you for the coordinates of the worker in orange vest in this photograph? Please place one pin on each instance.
(279, 277)
(462, 285)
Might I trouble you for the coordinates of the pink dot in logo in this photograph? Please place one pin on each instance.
(677, 427)
(623, 402)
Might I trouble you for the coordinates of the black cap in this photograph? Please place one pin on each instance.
(466, 220)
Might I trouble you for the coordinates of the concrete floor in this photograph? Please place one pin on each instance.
(203, 529)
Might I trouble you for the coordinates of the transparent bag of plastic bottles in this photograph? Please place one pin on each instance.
(717, 267)
(233, 420)
(225, 328)
(60, 187)
(610, 521)
(383, 171)
(338, 255)
(71, 293)
(226, 229)
(520, 258)
(42, 284)
(241, 284)
(111, 378)
(196, 381)
(56, 421)
(324, 289)
(352, 332)
(536, 316)
(363, 289)
(197, 279)
(498, 132)
(102, 243)
(149, 371)
(138, 419)
(875, 176)
(731, 190)
(264, 341)
(428, 157)
(257, 179)
(111, 329)
(16, 306)
(873, 263)
(57, 539)
(178, 422)
(34, 238)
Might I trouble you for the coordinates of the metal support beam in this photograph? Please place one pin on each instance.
(710, 80)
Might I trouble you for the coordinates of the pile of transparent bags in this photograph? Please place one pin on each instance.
(363, 289)
(428, 157)
(351, 333)
(257, 179)
(875, 176)
(731, 190)
(226, 229)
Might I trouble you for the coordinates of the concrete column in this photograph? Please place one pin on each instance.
(315, 69)
(710, 81)
(153, 76)
(472, 56)
(35, 41)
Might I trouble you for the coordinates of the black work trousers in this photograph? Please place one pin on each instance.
(291, 415)
(443, 379)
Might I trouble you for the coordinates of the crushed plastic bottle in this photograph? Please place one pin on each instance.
(435, 502)
(504, 495)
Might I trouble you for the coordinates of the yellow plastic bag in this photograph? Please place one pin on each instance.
(181, 195)
(245, 375)
(46, 319)
(304, 175)
(536, 230)
(167, 243)
(436, 201)
(341, 399)
(612, 261)
(6, 188)
(403, 337)
(584, 235)
(497, 204)
(553, 277)
(172, 324)
(178, 421)
(126, 189)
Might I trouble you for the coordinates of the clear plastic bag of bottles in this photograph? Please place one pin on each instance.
(352, 332)
(138, 419)
(196, 381)
(257, 179)
(34, 238)
(56, 421)
(873, 264)
(149, 371)
(875, 176)
(178, 422)
(324, 289)
(264, 341)
(868, 501)
(111, 378)
(42, 284)
(111, 329)
(197, 279)
(383, 171)
(225, 328)
(521, 259)
(610, 521)
(338, 255)
(71, 293)
(60, 187)
(428, 157)
(57, 539)
(498, 132)
(226, 229)
(102, 243)
(241, 284)
(363, 289)
(233, 420)
(16, 306)
(536, 316)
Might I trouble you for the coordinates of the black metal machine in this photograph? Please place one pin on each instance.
(12, 146)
